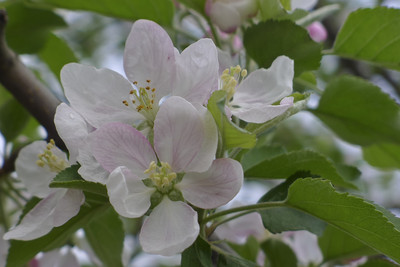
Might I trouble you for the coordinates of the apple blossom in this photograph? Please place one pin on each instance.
(178, 169)
(317, 31)
(154, 69)
(229, 14)
(253, 98)
(57, 205)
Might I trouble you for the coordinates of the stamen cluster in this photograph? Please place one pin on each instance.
(230, 78)
(162, 176)
(49, 159)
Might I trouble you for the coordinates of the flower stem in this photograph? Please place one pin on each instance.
(214, 33)
(247, 209)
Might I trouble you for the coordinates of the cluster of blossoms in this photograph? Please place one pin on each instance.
(149, 138)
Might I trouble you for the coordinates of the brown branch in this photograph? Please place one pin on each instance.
(25, 87)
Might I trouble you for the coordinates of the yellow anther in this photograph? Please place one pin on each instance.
(125, 103)
(243, 73)
(135, 82)
(148, 81)
(162, 176)
(49, 159)
(147, 88)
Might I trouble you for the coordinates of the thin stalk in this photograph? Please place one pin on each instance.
(214, 33)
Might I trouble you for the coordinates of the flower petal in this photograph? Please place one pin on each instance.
(265, 87)
(259, 113)
(197, 71)
(179, 134)
(225, 16)
(36, 179)
(52, 211)
(171, 228)
(127, 193)
(72, 128)
(58, 258)
(117, 144)
(97, 94)
(149, 55)
(215, 187)
(91, 169)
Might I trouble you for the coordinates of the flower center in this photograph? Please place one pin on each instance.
(143, 100)
(162, 177)
(47, 158)
(230, 78)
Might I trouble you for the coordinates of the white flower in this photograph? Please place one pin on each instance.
(253, 98)
(230, 14)
(36, 165)
(180, 163)
(154, 69)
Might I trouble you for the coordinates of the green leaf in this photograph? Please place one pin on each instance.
(28, 28)
(13, 119)
(21, 252)
(278, 254)
(284, 165)
(70, 178)
(227, 260)
(271, 9)
(379, 263)
(232, 136)
(337, 245)
(197, 255)
(359, 112)
(280, 219)
(266, 41)
(56, 53)
(248, 250)
(198, 5)
(160, 11)
(350, 214)
(106, 237)
(372, 35)
(383, 155)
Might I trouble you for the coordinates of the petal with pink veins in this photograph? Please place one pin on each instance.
(97, 94)
(197, 71)
(215, 187)
(149, 55)
(91, 169)
(179, 134)
(117, 144)
(128, 195)
(171, 228)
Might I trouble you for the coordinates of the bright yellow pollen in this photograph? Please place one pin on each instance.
(47, 158)
(230, 78)
(162, 176)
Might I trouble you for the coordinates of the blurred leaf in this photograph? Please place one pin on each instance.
(13, 119)
(278, 254)
(280, 219)
(232, 136)
(359, 112)
(372, 35)
(383, 155)
(197, 255)
(227, 260)
(106, 237)
(160, 11)
(28, 28)
(198, 5)
(337, 245)
(21, 252)
(257, 155)
(350, 214)
(248, 250)
(56, 53)
(271, 9)
(379, 263)
(70, 178)
(284, 165)
(266, 41)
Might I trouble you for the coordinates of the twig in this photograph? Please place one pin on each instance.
(25, 87)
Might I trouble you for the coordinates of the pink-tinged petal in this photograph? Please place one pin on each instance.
(259, 113)
(91, 169)
(58, 258)
(179, 134)
(225, 17)
(72, 128)
(36, 179)
(54, 210)
(239, 229)
(97, 94)
(317, 31)
(266, 86)
(149, 55)
(117, 144)
(197, 71)
(171, 228)
(128, 195)
(215, 187)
